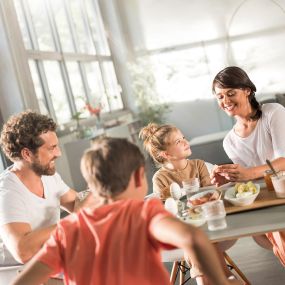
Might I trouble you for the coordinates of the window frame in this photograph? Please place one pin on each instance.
(39, 56)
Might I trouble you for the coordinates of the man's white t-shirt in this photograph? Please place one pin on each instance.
(18, 204)
(267, 141)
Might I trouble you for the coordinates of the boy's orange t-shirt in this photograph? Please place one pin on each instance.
(108, 245)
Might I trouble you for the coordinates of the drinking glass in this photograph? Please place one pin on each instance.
(191, 186)
(215, 214)
(279, 184)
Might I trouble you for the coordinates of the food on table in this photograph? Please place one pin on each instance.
(194, 213)
(211, 196)
(245, 189)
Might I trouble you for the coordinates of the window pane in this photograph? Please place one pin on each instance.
(57, 91)
(41, 25)
(258, 46)
(38, 87)
(113, 89)
(181, 75)
(77, 86)
(83, 39)
(267, 71)
(97, 28)
(23, 26)
(96, 86)
(62, 25)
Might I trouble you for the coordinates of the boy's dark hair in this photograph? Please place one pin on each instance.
(108, 165)
(23, 131)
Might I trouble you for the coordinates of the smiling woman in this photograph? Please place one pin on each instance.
(255, 137)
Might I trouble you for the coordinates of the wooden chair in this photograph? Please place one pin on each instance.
(9, 273)
(233, 266)
(180, 268)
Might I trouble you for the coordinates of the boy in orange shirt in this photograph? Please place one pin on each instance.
(118, 239)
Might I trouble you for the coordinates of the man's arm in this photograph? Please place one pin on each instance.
(194, 242)
(22, 241)
(71, 203)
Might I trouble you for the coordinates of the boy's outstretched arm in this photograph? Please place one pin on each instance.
(34, 273)
(195, 244)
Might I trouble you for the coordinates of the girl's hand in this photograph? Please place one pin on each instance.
(217, 178)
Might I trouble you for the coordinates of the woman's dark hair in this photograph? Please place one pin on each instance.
(235, 77)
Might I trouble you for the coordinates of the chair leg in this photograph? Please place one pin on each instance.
(182, 273)
(174, 272)
(237, 270)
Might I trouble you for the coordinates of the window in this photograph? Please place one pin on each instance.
(69, 57)
(187, 44)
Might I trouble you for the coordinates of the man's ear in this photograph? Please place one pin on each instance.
(26, 154)
(139, 176)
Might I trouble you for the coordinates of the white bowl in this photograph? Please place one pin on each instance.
(242, 201)
(201, 194)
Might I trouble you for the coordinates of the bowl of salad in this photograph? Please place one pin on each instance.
(242, 194)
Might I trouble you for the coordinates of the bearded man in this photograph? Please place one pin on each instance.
(31, 192)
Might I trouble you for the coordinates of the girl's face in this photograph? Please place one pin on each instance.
(232, 100)
(178, 147)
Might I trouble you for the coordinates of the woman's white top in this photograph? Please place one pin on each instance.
(267, 141)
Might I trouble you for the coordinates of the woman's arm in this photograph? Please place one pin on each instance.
(235, 172)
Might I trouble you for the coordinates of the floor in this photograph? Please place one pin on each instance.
(259, 265)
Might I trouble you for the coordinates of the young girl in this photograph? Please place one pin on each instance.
(170, 150)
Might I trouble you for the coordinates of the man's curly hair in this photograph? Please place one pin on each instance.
(23, 131)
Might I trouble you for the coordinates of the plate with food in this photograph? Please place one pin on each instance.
(193, 216)
(242, 194)
(204, 197)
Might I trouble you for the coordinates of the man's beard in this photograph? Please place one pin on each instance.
(40, 169)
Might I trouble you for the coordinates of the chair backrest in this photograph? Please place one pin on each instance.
(8, 273)
(209, 166)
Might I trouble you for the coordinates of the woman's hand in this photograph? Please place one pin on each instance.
(216, 177)
(231, 172)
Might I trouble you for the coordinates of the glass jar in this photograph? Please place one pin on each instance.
(267, 179)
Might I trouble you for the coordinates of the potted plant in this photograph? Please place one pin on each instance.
(149, 105)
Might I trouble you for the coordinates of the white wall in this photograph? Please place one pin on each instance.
(198, 117)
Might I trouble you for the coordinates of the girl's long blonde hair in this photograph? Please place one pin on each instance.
(156, 139)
